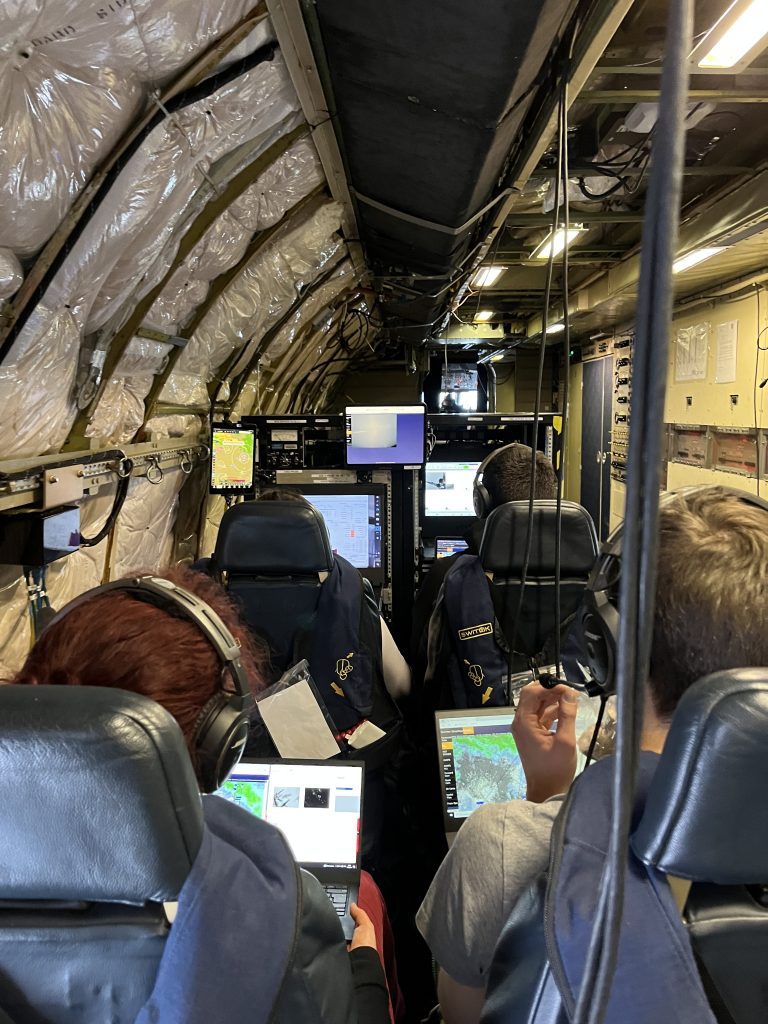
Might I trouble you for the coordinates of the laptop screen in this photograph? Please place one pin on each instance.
(447, 546)
(479, 762)
(316, 805)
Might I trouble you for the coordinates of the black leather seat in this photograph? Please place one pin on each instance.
(100, 822)
(502, 555)
(275, 555)
(705, 820)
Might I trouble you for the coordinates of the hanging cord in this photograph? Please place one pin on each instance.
(596, 732)
(37, 598)
(567, 344)
(124, 470)
(536, 417)
(637, 584)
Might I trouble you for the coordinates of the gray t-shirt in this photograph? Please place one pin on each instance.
(499, 850)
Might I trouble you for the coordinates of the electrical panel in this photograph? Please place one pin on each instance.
(622, 393)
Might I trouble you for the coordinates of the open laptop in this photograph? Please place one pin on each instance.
(478, 762)
(317, 805)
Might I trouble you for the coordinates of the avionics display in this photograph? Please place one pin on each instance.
(232, 451)
(448, 488)
(447, 546)
(386, 435)
(355, 515)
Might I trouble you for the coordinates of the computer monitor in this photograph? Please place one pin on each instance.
(448, 488)
(385, 435)
(355, 515)
(232, 451)
(447, 546)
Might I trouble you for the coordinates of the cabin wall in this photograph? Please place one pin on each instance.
(505, 387)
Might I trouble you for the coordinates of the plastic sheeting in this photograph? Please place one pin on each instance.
(291, 177)
(144, 531)
(36, 407)
(120, 411)
(11, 274)
(72, 75)
(255, 301)
(15, 624)
(164, 185)
(213, 514)
(181, 425)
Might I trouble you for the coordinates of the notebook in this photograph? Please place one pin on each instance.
(317, 805)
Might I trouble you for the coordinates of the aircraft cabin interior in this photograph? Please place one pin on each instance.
(383, 512)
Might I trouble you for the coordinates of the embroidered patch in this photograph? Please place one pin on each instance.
(474, 631)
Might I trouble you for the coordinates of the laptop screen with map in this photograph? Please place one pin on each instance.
(479, 762)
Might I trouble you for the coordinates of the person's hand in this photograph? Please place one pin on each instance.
(364, 934)
(549, 758)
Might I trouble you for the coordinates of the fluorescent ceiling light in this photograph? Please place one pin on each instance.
(556, 242)
(484, 314)
(691, 259)
(736, 39)
(555, 328)
(497, 356)
(486, 276)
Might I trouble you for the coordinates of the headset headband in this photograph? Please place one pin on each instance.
(170, 598)
(481, 497)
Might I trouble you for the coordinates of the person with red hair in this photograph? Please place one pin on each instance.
(118, 641)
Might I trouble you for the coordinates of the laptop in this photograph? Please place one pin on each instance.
(478, 762)
(478, 759)
(317, 805)
(447, 546)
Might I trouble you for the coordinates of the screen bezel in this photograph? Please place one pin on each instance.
(412, 407)
(454, 824)
(377, 577)
(233, 430)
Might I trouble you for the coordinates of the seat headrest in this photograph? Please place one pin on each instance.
(502, 549)
(98, 798)
(279, 537)
(706, 817)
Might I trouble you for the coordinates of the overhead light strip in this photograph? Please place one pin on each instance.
(486, 276)
(692, 259)
(736, 39)
(556, 241)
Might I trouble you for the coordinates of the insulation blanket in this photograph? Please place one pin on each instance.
(15, 624)
(73, 73)
(144, 532)
(291, 177)
(36, 381)
(120, 412)
(69, 577)
(166, 183)
(11, 274)
(255, 301)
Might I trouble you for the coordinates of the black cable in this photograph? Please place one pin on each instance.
(637, 584)
(537, 412)
(596, 731)
(121, 493)
(563, 124)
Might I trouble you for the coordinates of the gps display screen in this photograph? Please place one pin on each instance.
(232, 453)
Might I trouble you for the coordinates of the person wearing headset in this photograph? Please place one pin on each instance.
(177, 639)
(712, 571)
(504, 475)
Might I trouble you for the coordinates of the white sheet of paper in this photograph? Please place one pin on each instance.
(296, 723)
(726, 336)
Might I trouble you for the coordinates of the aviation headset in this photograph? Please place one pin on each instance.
(598, 632)
(482, 501)
(221, 729)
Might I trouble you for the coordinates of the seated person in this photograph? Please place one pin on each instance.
(506, 477)
(117, 640)
(712, 567)
(397, 674)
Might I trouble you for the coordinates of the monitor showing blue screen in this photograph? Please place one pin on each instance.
(385, 435)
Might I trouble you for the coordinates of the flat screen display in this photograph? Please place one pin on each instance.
(385, 435)
(448, 488)
(354, 524)
(459, 377)
(232, 451)
(447, 546)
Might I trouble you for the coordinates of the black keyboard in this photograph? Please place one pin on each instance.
(338, 895)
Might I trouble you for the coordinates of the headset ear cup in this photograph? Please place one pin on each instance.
(481, 500)
(220, 739)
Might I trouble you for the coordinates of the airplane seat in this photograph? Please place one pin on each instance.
(101, 820)
(704, 821)
(276, 555)
(502, 556)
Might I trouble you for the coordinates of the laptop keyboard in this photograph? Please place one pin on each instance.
(338, 895)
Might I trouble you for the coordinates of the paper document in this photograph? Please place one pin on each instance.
(296, 724)
(726, 336)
